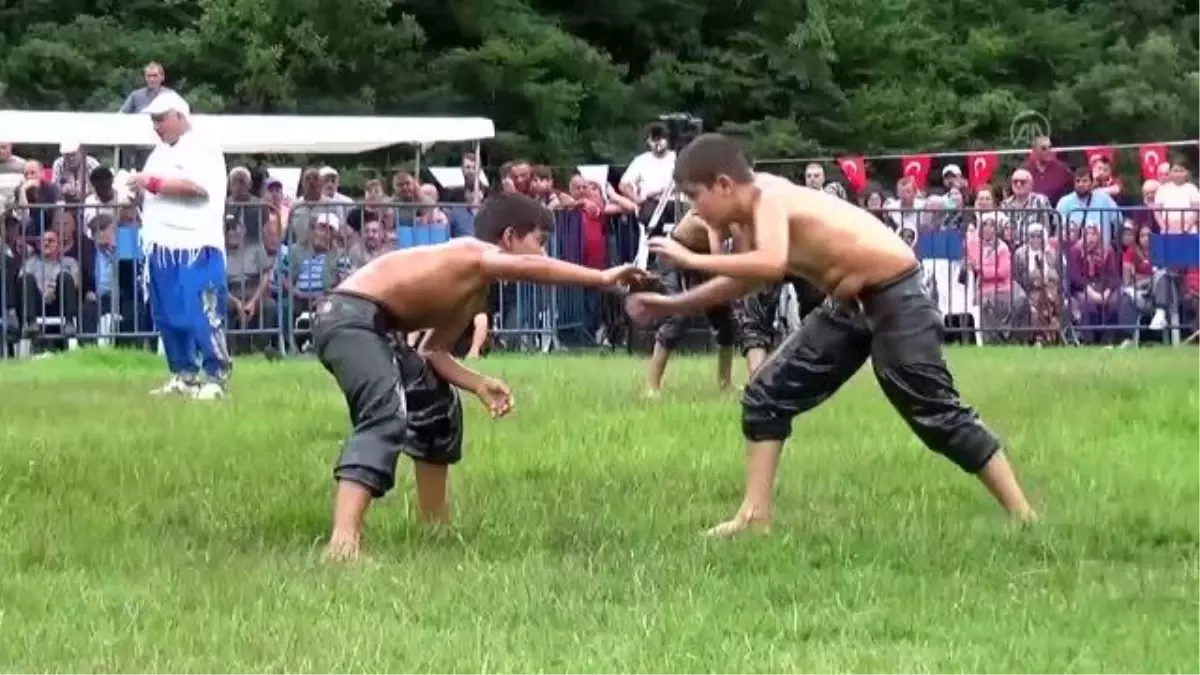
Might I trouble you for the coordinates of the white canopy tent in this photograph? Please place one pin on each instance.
(247, 134)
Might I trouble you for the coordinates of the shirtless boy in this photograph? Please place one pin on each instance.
(877, 309)
(691, 233)
(404, 401)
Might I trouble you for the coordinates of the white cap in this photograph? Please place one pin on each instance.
(167, 101)
(327, 171)
(952, 168)
(67, 147)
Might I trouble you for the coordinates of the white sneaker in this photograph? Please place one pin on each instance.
(1159, 320)
(209, 391)
(175, 385)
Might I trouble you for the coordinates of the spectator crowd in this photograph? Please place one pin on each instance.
(1050, 249)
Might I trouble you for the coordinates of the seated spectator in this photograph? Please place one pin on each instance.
(1095, 280)
(1003, 304)
(1037, 268)
(311, 268)
(873, 201)
(72, 243)
(952, 206)
(429, 214)
(247, 271)
(128, 216)
(1088, 206)
(370, 246)
(1150, 292)
(50, 286)
(110, 287)
(16, 252)
(38, 200)
(243, 206)
(1142, 215)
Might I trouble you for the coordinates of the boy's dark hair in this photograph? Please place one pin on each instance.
(542, 171)
(504, 210)
(709, 156)
(1083, 172)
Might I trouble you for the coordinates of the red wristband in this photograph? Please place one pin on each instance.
(153, 185)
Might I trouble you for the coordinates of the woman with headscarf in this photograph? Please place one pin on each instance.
(1003, 303)
(1095, 281)
(1037, 267)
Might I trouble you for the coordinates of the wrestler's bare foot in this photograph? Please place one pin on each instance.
(343, 547)
(748, 520)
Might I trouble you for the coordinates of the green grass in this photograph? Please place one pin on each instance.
(171, 536)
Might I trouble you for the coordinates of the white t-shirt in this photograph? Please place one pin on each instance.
(188, 224)
(650, 175)
(1174, 198)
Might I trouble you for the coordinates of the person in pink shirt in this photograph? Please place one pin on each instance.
(1004, 304)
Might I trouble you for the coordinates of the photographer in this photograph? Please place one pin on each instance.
(649, 174)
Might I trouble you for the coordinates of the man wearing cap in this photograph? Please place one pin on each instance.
(72, 170)
(184, 187)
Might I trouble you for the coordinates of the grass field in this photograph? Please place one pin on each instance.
(173, 536)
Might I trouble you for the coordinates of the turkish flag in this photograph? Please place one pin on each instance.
(1151, 155)
(916, 167)
(980, 167)
(855, 171)
(1097, 152)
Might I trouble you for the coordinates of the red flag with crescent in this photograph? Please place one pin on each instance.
(1152, 154)
(980, 167)
(916, 167)
(855, 171)
(1101, 151)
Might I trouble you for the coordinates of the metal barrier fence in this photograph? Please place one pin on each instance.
(73, 274)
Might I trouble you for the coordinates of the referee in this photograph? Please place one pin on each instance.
(183, 207)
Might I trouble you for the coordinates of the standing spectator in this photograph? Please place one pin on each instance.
(72, 171)
(542, 187)
(1178, 201)
(242, 205)
(429, 214)
(952, 177)
(1103, 178)
(904, 210)
(138, 99)
(103, 201)
(649, 175)
(1024, 207)
(1087, 206)
(1051, 176)
(473, 190)
(814, 176)
(183, 206)
(38, 199)
(10, 163)
(1143, 215)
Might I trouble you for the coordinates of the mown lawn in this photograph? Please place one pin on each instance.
(175, 536)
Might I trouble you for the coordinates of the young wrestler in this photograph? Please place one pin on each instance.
(878, 309)
(402, 401)
(690, 232)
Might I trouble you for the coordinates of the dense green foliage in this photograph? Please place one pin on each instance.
(571, 81)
